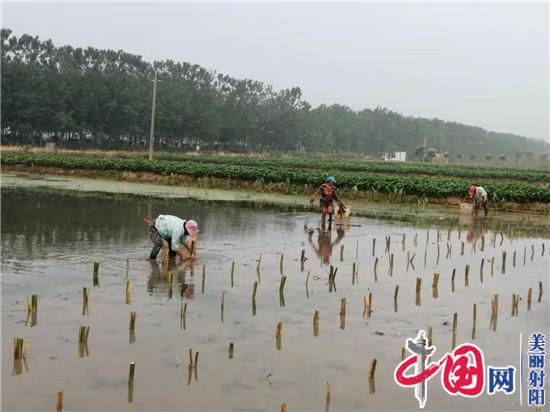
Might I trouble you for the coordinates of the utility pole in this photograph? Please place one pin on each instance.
(152, 133)
(443, 127)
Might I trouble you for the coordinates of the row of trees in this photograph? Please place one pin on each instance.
(102, 98)
(528, 157)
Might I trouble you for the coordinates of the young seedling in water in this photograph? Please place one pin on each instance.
(327, 397)
(453, 280)
(232, 272)
(367, 302)
(425, 256)
(372, 369)
(481, 270)
(85, 298)
(190, 358)
(132, 328)
(515, 302)
(131, 373)
(331, 279)
(32, 310)
(343, 313)
(395, 293)
(18, 344)
(96, 274)
(316, 323)
(278, 336)
(254, 289)
(133, 319)
(83, 333)
(475, 321)
(231, 348)
(59, 401)
(435, 284)
(529, 293)
(281, 291)
(494, 313)
(455, 324)
(307, 282)
(418, 291)
(128, 292)
(183, 313)
(259, 262)
(222, 303)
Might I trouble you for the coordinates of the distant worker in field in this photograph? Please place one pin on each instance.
(478, 197)
(173, 230)
(327, 193)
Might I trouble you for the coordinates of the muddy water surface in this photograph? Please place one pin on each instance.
(50, 241)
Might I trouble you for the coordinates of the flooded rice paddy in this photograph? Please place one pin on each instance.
(50, 242)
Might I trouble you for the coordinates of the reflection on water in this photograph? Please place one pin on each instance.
(36, 225)
(163, 279)
(324, 244)
(476, 228)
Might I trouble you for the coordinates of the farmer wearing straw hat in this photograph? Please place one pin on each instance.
(478, 196)
(173, 230)
(327, 193)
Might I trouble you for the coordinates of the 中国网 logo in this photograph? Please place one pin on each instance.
(463, 371)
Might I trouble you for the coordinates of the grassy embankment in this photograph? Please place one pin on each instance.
(509, 189)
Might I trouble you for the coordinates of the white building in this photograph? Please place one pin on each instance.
(395, 157)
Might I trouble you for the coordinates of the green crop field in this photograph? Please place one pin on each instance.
(392, 178)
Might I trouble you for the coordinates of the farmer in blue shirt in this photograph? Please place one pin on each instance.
(175, 231)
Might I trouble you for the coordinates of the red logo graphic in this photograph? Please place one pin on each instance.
(463, 369)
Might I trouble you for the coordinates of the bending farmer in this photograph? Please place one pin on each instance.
(327, 193)
(478, 196)
(173, 230)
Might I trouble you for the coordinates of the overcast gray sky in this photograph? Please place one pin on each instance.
(480, 64)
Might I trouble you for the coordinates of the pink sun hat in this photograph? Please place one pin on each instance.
(192, 227)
